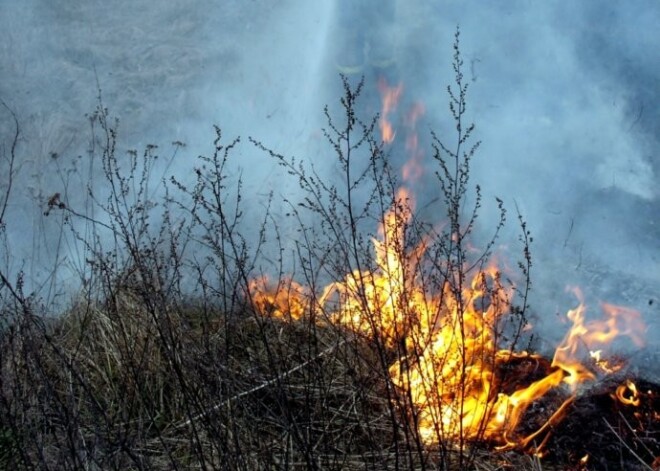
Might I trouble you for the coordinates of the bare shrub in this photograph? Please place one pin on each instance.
(179, 353)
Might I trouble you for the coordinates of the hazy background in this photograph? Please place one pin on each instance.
(564, 95)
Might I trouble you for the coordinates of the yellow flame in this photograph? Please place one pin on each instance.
(627, 394)
(445, 340)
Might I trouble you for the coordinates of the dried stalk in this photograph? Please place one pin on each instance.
(270, 382)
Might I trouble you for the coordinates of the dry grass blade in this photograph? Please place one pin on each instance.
(268, 383)
(627, 447)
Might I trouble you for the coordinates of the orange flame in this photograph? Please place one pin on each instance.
(288, 300)
(390, 99)
(412, 170)
(627, 394)
(447, 341)
(605, 365)
(446, 338)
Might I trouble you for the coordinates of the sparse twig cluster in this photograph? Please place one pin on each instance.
(190, 346)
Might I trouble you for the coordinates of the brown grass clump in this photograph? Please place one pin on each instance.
(116, 385)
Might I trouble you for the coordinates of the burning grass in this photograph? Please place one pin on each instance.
(448, 377)
(396, 343)
(260, 392)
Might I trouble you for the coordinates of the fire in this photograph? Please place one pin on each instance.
(412, 170)
(584, 460)
(390, 98)
(389, 292)
(288, 300)
(606, 365)
(627, 394)
(445, 339)
(619, 321)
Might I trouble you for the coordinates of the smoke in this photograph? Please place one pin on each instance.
(168, 74)
(564, 95)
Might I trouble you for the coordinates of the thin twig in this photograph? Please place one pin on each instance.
(646, 466)
(258, 388)
(12, 160)
(634, 432)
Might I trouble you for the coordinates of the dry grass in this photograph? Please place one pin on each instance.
(188, 388)
(117, 386)
(136, 375)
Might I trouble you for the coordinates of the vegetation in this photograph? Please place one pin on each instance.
(189, 346)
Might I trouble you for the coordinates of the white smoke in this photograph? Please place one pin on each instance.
(564, 95)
